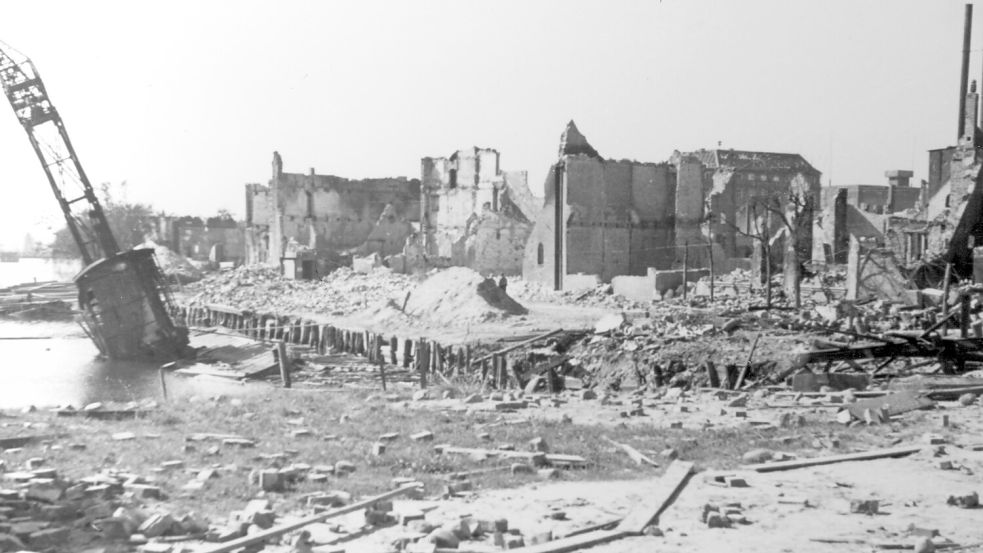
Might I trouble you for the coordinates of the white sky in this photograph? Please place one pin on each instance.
(186, 101)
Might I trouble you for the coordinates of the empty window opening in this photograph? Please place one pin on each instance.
(540, 254)
(453, 178)
(310, 204)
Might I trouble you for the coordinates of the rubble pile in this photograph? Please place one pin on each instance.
(459, 294)
(174, 265)
(44, 511)
(262, 289)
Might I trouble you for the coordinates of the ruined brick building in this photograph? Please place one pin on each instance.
(332, 216)
(473, 214)
(604, 218)
(216, 239)
(949, 226)
(740, 184)
(863, 211)
(601, 218)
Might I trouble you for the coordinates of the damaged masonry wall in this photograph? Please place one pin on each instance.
(473, 214)
(951, 223)
(332, 215)
(617, 217)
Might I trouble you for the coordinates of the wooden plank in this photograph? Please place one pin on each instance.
(815, 461)
(634, 454)
(952, 393)
(518, 345)
(261, 537)
(896, 404)
(573, 543)
(552, 458)
(662, 496)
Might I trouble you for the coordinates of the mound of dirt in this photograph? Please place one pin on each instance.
(459, 294)
(173, 264)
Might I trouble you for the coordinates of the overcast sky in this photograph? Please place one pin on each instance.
(186, 101)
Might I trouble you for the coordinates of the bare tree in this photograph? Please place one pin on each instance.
(793, 210)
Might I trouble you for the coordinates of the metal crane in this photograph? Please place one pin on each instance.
(123, 296)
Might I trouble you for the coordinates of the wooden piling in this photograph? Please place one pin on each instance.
(284, 362)
(419, 356)
(393, 350)
(382, 373)
(407, 352)
(163, 384)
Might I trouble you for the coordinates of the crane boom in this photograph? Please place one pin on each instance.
(46, 131)
(124, 300)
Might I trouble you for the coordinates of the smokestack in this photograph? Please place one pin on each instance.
(964, 77)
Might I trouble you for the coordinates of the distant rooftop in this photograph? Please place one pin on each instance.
(742, 159)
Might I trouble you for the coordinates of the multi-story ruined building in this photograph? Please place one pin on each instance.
(333, 216)
(739, 185)
(604, 218)
(601, 217)
(863, 211)
(215, 239)
(473, 214)
(950, 224)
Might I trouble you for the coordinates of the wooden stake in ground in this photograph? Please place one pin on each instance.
(261, 537)
(163, 383)
(382, 373)
(284, 362)
(747, 364)
(945, 297)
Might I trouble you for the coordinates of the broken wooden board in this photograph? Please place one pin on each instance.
(262, 536)
(230, 356)
(815, 461)
(200, 369)
(669, 486)
(551, 458)
(896, 404)
(951, 394)
(573, 543)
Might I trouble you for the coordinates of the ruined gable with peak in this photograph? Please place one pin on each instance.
(473, 214)
(333, 216)
(602, 218)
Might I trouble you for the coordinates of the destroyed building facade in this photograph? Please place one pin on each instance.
(606, 218)
(215, 239)
(863, 211)
(740, 185)
(332, 217)
(601, 218)
(949, 224)
(472, 214)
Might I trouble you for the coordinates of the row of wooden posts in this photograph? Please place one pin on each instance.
(428, 358)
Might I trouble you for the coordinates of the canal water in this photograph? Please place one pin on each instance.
(49, 364)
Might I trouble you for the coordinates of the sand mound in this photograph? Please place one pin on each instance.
(173, 264)
(459, 294)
